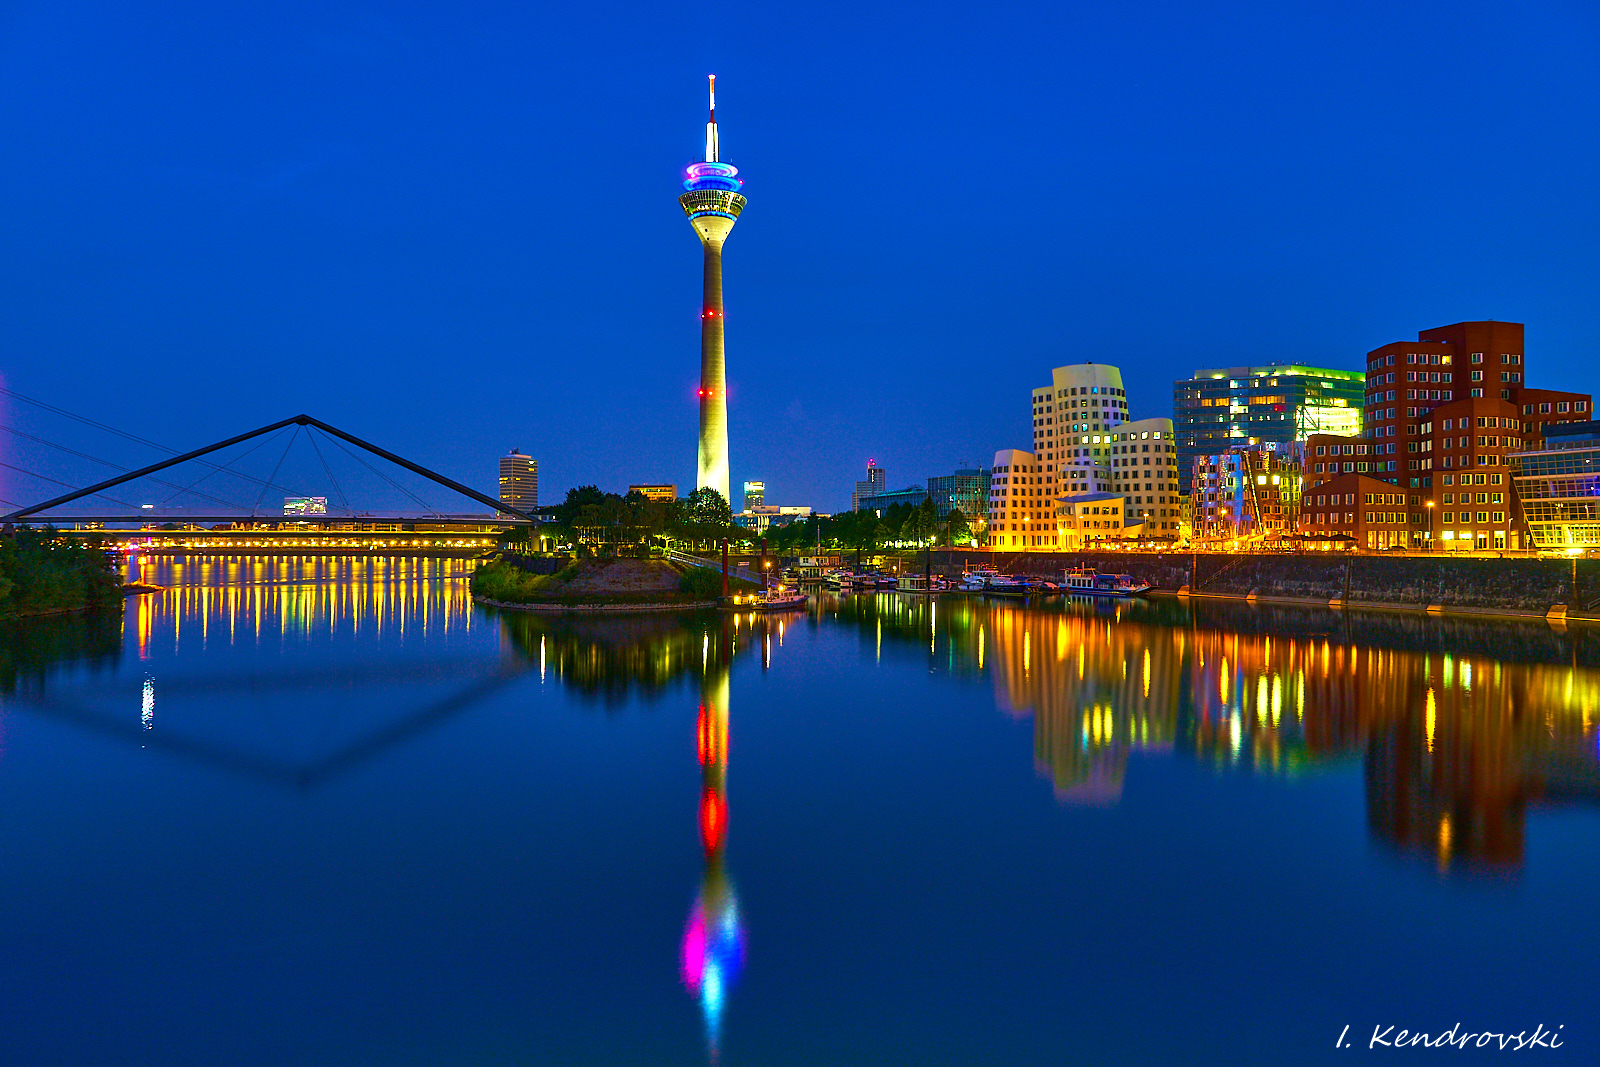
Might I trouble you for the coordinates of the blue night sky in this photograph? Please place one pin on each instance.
(452, 229)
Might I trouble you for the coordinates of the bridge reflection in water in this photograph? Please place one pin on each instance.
(300, 598)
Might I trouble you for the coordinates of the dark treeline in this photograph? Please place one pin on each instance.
(42, 572)
(614, 524)
(902, 525)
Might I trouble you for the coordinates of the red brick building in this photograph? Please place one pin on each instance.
(1328, 456)
(1442, 415)
(1369, 513)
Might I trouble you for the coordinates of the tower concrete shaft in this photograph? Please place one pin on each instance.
(713, 464)
(712, 202)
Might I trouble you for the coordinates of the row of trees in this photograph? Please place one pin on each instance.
(613, 523)
(616, 523)
(902, 526)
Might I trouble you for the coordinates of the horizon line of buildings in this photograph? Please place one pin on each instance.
(1440, 443)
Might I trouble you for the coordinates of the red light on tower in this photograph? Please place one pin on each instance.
(713, 819)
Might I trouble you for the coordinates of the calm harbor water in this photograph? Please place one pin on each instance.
(331, 812)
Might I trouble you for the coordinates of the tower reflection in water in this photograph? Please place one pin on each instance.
(713, 940)
(610, 660)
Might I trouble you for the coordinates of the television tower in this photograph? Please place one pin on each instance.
(713, 203)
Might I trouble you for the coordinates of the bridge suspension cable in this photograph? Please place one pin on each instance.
(423, 503)
(262, 495)
(107, 463)
(13, 394)
(190, 488)
(57, 481)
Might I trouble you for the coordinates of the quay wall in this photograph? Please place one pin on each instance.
(1518, 586)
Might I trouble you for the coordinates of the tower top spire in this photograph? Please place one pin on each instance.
(711, 126)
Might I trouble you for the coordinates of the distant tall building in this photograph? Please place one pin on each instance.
(519, 481)
(755, 495)
(1237, 407)
(712, 202)
(666, 494)
(876, 483)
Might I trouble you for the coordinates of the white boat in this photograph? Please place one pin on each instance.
(1086, 581)
(1005, 585)
(974, 581)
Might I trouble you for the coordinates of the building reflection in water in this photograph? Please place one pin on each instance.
(1461, 725)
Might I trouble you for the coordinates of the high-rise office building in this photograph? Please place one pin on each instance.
(519, 481)
(1238, 407)
(712, 202)
(755, 495)
(876, 483)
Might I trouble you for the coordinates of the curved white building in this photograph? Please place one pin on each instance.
(1085, 443)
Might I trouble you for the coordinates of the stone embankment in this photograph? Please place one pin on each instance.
(1553, 588)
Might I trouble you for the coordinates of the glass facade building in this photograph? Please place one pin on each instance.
(965, 489)
(1559, 487)
(1234, 407)
(882, 502)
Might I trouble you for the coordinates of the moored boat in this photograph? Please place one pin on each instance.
(1006, 585)
(1086, 581)
(974, 581)
(777, 599)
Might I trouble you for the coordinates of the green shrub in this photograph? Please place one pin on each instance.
(702, 583)
(40, 572)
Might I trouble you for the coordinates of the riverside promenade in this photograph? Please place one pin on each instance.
(1551, 588)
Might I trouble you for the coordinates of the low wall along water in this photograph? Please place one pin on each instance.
(1419, 583)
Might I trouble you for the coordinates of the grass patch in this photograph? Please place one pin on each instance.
(511, 584)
